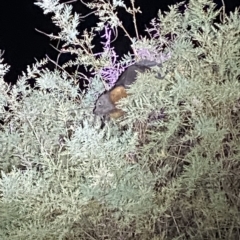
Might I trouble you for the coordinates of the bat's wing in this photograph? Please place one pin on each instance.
(147, 63)
(129, 75)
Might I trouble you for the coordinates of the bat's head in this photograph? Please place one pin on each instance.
(103, 105)
(106, 103)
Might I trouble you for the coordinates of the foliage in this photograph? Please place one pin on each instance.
(168, 170)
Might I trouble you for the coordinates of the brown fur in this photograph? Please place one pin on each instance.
(118, 93)
(115, 95)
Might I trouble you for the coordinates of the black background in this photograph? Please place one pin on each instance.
(22, 43)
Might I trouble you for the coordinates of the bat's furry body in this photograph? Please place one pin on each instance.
(106, 103)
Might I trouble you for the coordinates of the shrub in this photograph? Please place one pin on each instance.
(168, 170)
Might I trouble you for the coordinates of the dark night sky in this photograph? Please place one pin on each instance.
(22, 43)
